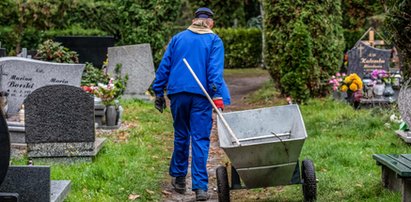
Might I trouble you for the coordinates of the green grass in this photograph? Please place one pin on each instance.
(245, 72)
(137, 165)
(341, 142)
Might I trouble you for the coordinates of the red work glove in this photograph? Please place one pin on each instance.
(219, 103)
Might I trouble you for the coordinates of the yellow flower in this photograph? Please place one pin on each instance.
(348, 79)
(344, 88)
(359, 83)
(353, 87)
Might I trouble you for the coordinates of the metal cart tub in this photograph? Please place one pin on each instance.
(270, 140)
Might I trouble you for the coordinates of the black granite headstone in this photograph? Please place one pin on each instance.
(364, 58)
(59, 114)
(91, 49)
(32, 183)
(2, 52)
(4, 147)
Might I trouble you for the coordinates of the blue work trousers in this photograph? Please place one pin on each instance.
(192, 115)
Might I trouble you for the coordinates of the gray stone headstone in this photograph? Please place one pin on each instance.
(32, 183)
(364, 58)
(21, 76)
(4, 148)
(137, 62)
(404, 102)
(59, 113)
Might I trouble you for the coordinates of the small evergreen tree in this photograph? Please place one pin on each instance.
(282, 22)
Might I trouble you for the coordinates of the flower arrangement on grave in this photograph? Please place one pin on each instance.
(113, 90)
(351, 83)
(384, 76)
(336, 81)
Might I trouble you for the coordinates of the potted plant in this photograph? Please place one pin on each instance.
(110, 93)
(352, 84)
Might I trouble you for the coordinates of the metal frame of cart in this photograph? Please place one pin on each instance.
(264, 151)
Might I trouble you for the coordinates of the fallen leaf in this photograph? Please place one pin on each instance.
(165, 192)
(133, 197)
(149, 191)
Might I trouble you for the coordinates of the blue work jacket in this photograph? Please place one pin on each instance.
(205, 54)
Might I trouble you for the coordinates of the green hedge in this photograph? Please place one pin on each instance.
(129, 21)
(242, 47)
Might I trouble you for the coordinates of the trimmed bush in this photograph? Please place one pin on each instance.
(282, 22)
(242, 47)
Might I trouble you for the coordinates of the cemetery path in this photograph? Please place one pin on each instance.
(240, 87)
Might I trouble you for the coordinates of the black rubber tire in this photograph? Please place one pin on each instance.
(223, 188)
(309, 180)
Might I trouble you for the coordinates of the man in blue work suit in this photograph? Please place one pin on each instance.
(190, 108)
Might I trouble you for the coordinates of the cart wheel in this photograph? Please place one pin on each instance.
(309, 180)
(223, 188)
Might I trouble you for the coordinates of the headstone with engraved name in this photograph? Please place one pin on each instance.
(364, 58)
(21, 76)
(137, 62)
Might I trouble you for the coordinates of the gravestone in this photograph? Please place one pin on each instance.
(26, 183)
(21, 76)
(2, 52)
(404, 106)
(364, 58)
(4, 148)
(60, 123)
(91, 49)
(137, 62)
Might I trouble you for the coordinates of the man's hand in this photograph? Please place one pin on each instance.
(219, 103)
(160, 103)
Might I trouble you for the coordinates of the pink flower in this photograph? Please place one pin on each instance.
(338, 74)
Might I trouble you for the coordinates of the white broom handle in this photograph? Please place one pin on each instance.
(212, 103)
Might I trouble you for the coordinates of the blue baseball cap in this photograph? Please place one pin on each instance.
(204, 12)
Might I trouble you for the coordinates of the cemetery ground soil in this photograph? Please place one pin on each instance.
(242, 84)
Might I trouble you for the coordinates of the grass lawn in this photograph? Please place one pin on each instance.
(341, 141)
(133, 163)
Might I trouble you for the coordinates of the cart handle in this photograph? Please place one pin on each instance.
(212, 103)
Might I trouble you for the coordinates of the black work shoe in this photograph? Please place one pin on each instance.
(201, 195)
(179, 184)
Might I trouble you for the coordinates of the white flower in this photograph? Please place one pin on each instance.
(395, 119)
(102, 85)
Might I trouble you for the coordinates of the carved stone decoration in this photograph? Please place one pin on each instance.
(4, 148)
(404, 102)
